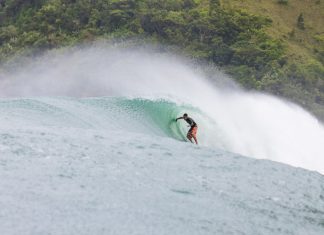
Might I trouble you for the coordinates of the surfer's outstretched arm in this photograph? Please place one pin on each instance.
(179, 118)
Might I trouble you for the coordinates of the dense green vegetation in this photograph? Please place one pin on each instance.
(231, 38)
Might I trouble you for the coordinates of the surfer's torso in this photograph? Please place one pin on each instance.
(191, 122)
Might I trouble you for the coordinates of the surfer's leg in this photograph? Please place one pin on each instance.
(195, 139)
(194, 133)
(189, 136)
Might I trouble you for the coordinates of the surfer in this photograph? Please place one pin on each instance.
(193, 127)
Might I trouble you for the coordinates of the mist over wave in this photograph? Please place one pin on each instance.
(252, 124)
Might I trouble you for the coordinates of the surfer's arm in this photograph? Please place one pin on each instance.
(179, 118)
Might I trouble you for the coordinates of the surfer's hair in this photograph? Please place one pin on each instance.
(185, 115)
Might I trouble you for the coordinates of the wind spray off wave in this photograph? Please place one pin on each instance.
(251, 124)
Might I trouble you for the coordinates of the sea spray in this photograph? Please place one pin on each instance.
(249, 123)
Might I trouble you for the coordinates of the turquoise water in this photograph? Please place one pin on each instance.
(154, 117)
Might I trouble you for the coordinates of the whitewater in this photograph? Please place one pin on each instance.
(89, 145)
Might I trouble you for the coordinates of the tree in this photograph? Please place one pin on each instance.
(301, 22)
(213, 6)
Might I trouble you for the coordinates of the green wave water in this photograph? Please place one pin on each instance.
(153, 117)
(159, 114)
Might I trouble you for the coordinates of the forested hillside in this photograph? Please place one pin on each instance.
(271, 45)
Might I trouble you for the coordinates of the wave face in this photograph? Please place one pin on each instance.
(118, 114)
(145, 91)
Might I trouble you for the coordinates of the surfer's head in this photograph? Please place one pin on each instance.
(185, 116)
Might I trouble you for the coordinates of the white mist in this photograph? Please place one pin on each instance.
(252, 124)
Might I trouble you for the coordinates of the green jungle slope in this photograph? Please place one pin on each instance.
(275, 46)
(299, 27)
